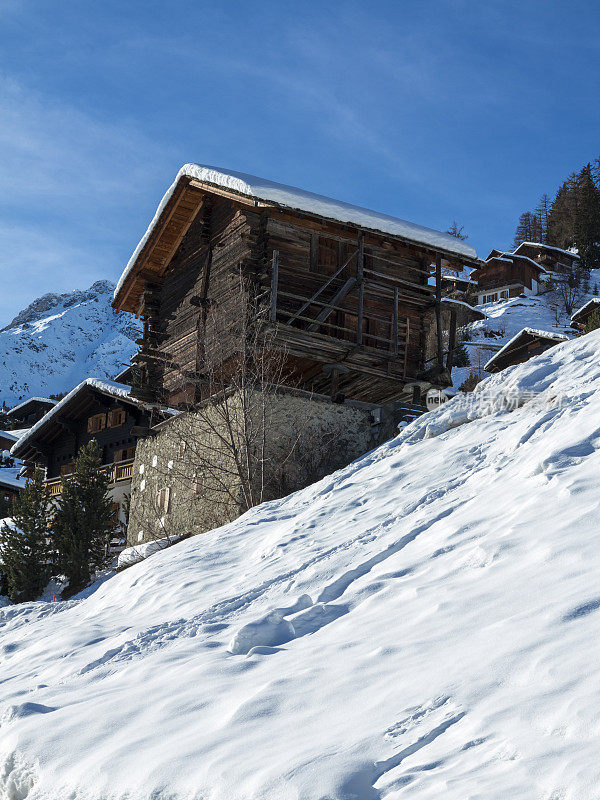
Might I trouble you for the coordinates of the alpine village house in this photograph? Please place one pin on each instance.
(351, 300)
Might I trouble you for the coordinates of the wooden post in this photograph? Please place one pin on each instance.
(360, 263)
(274, 282)
(452, 340)
(438, 309)
(395, 327)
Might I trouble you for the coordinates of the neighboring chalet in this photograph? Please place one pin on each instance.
(526, 344)
(10, 484)
(582, 315)
(343, 291)
(8, 438)
(553, 259)
(100, 410)
(30, 411)
(505, 275)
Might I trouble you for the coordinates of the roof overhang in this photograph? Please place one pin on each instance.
(521, 339)
(185, 198)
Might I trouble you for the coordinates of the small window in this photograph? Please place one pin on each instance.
(125, 454)
(196, 485)
(504, 294)
(67, 469)
(116, 418)
(163, 496)
(96, 423)
(182, 446)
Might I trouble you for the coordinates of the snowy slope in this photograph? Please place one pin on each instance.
(61, 339)
(430, 627)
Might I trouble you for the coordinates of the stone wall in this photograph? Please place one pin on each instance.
(173, 493)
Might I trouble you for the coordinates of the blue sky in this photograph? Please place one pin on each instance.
(431, 111)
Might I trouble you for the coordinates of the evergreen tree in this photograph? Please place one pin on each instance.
(561, 221)
(24, 545)
(529, 229)
(84, 519)
(587, 220)
(542, 213)
(595, 290)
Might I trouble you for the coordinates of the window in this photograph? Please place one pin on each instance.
(96, 423)
(504, 294)
(182, 446)
(124, 454)
(67, 469)
(163, 496)
(116, 418)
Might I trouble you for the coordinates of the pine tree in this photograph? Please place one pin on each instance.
(529, 229)
(84, 519)
(542, 213)
(595, 290)
(24, 545)
(587, 220)
(593, 322)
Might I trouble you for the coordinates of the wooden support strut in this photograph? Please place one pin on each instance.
(438, 309)
(452, 340)
(360, 264)
(274, 284)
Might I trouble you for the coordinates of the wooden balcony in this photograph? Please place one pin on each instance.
(117, 473)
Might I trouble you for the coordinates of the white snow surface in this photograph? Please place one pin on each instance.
(60, 339)
(301, 200)
(433, 611)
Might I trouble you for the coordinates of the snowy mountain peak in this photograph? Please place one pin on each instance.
(61, 339)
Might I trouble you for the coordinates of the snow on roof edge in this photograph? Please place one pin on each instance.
(558, 337)
(549, 247)
(518, 255)
(593, 301)
(31, 400)
(107, 387)
(301, 200)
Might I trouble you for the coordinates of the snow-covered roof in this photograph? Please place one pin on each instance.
(309, 202)
(32, 400)
(10, 477)
(550, 335)
(547, 247)
(593, 302)
(511, 256)
(9, 435)
(109, 388)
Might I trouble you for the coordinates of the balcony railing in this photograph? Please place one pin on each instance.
(117, 472)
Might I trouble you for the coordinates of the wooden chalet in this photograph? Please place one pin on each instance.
(10, 484)
(505, 275)
(553, 259)
(581, 316)
(100, 410)
(30, 411)
(526, 344)
(8, 439)
(342, 290)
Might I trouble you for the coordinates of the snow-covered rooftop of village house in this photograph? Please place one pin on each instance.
(510, 257)
(547, 247)
(106, 387)
(32, 400)
(309, 202)
(451, 301)
(556, 337)
(10, 476)
(593, 302)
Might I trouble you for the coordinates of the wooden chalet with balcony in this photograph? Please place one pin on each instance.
(343, 292)
(100, 410)
(580, 318)
(505, 275)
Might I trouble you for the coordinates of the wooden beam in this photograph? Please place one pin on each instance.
(438, 308)
(395, 323)
(274, 285)
(360, 264)
(325, 312)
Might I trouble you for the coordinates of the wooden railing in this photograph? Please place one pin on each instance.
(118, 472)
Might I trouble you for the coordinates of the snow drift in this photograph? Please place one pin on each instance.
(421, 624)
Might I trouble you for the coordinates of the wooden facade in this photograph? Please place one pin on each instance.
(30, 411)
(337, 298)
(581, 316)
(526, 344)
(505, 275)
(551, 258)
(90, 412)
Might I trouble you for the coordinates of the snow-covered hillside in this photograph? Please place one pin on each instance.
(507, 317)
(59, 340)
(422, 624)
